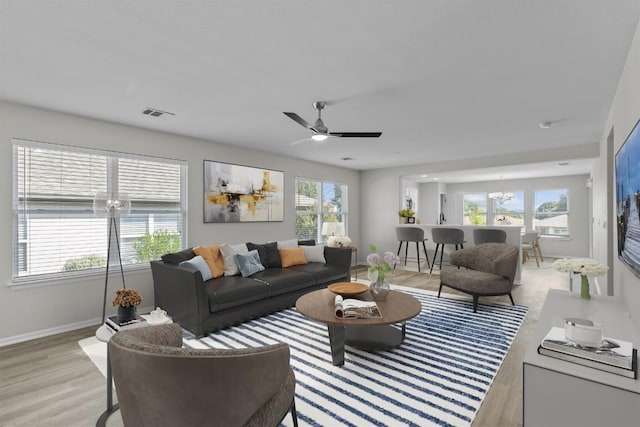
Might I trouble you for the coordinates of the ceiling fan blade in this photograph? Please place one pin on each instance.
(356, 134)
(302, 122)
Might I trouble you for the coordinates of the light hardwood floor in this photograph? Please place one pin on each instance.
(51, 382)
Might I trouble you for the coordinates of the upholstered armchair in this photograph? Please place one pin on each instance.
(159, 383)
(490, 270)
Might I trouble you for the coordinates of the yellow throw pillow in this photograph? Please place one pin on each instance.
(213, 258)
(292, 256)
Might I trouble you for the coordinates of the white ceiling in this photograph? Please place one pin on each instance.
(443, 80)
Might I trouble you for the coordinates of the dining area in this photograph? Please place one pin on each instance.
(428, 245)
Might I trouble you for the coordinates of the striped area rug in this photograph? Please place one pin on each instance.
(438, 376)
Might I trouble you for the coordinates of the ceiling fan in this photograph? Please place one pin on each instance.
(321, 132)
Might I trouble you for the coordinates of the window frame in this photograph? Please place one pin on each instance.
(486, 207)
(319, 213)
(567, 213)
(25, 212)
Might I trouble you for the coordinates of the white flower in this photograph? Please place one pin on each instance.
(584, 266)
(338, 241)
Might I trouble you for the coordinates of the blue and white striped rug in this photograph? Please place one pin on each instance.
(438, 376)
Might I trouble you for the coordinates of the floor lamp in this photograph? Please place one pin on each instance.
(112, 206)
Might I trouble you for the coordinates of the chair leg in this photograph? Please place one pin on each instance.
(441, 255)
(294, 413)
(475, 303)
(439, 289)
(426, 255)
(398, 254)
(434, 258)
(418, 255)
(511, 298)
(406, 252)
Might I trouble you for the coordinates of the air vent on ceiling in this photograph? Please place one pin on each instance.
(155, 112)
(561, 164)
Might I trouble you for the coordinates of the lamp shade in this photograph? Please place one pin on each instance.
(332, 229)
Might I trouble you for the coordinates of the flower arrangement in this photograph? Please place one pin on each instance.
(379, 265)
(585, 267)
(338, 241)
(126, 298)
(406, 213)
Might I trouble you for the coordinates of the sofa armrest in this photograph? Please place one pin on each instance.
(181, 292)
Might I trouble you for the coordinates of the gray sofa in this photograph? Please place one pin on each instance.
(202, 307)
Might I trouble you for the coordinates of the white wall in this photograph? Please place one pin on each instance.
(624, 113)
(29, 312)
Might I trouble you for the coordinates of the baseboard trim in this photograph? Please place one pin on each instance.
(56, 330)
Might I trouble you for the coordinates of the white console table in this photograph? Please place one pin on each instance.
(561, 393)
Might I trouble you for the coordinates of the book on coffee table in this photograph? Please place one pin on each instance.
(356, 309)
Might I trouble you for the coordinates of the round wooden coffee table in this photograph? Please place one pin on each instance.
(366, 334)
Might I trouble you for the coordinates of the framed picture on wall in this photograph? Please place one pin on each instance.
(411, 220)
(236, 193)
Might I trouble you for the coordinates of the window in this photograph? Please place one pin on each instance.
(56, 232)
(475, 209)
(509, 212)
(319, 203)
(551, 212)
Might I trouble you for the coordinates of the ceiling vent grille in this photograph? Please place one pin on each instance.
(154, 112)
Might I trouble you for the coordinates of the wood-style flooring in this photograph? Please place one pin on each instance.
(51, 382)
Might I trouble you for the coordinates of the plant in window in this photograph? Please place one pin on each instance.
(406, 213)
(153, 246)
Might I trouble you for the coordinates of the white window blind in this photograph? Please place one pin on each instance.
(318, 202)
(55, 229)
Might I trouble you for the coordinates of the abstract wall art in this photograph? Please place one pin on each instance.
(235, 193)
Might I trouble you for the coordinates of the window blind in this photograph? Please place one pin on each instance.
(55, 229)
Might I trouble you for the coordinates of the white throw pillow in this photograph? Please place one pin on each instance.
(228, 254)
(314, 253)
(288, 244)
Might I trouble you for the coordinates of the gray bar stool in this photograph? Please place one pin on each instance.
(446, 236)
(412, 234)
(489, 235)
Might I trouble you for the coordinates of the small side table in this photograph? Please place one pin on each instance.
(104, 334)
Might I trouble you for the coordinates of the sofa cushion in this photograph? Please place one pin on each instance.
(249, 263)
(228, 254)
(177, 257)
(321, 272)
(283, 280)
(233, 291)
(314, 253)
(213, 257)
(198, 263)
(293, 256)
(269, 255)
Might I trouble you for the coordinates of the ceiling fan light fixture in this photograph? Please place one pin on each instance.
(319, 137)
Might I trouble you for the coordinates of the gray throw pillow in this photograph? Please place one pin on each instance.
(249, 263)
(199, 264)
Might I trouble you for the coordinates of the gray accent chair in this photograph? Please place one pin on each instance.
(489, 235)
(491, 268)
(445, 236)
(412, 234)
(159, 383)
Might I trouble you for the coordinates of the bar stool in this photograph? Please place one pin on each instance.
(489, 235)
(412, 234)
(446, 236)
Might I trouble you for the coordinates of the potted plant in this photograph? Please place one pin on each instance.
(126, 300)
(405, 214)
